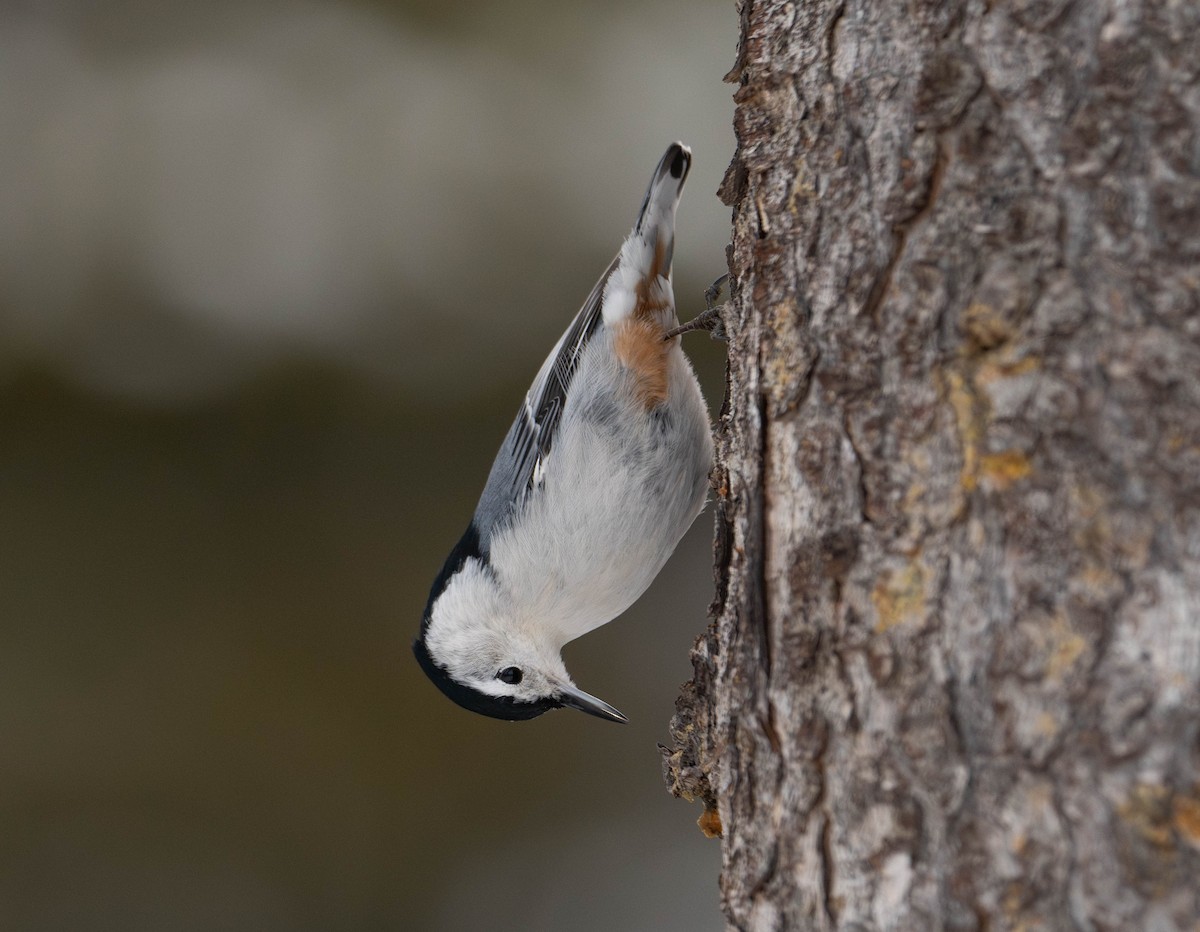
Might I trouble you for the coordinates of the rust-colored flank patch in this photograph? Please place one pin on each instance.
(660, 260)
(651, 295)
(640, 348)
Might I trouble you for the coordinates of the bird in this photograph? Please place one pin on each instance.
(603, 470)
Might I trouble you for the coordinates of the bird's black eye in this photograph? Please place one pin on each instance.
(510, 675)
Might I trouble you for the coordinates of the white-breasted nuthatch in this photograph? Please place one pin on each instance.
(603, 470)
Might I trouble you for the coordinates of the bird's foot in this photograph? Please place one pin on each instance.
(710, 318)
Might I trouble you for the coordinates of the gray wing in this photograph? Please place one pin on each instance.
(519, 466)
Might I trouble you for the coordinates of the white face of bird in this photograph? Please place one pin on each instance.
(488, 660)
(495, 663)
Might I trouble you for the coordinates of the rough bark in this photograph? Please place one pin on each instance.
(952, 676)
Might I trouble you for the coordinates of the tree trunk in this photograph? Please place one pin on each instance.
(952, 677)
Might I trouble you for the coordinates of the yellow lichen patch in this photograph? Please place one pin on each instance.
(1000, 365)
(1046, 726)
(710, 823)
(783, 319)
(913, 495)
(1002, 469)
(899, 597)
(1106, 536)
(1063, 646)
(802, 187)
(1179, 441)
(1099, 580)
(985, 326)
(1185, 816)
(1091, 527)
(1147, 809)
(1093, 531)
(782, 368)
(1012, 903)
(970, 427)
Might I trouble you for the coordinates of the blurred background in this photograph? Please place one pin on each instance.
(273, 280)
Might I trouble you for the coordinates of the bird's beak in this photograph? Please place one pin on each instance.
(577, 699)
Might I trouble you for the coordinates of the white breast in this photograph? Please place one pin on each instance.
(622, 486)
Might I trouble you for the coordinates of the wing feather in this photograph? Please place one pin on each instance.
(520, 466)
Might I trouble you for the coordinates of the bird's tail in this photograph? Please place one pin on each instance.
(656, 219)
(646, 256)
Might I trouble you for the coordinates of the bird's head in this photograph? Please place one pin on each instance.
(490, 661)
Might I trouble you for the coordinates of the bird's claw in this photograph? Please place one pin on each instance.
(710, 318)
(713, 291)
